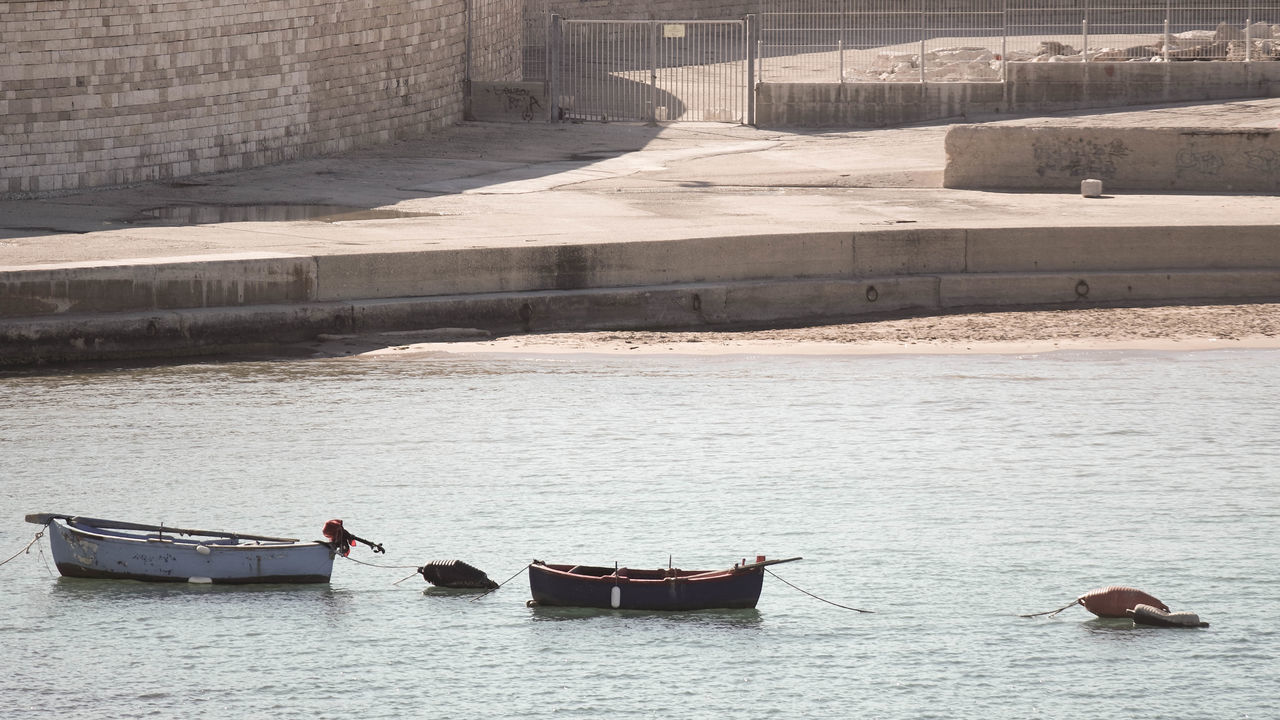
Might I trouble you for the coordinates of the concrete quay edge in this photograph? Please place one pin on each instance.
(877, 273)
(151, 284)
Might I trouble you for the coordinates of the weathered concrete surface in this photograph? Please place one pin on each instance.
(157, 284)
(529, 227)
(1159, 159)
(869, 105)
(583, 266)
(1095, 249)
(512, 101)
(1052, 87)
(1031, 88)
(1106, 288)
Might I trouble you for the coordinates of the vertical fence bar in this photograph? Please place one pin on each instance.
(750, 28)
(651, 112)
(1004, 41)
(555, 38)
(923, 36)
(1248, 37)
(1248, 54)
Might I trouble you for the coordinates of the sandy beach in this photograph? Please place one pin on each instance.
(1154, 328)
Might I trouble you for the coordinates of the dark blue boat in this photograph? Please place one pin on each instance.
(662, 589)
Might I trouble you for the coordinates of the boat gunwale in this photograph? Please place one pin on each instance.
(681, 575)
(189, 541)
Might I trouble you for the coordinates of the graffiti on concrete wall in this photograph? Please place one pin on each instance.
(517, 100)
(1199, 161)
(1264, 161)
(1078, 157)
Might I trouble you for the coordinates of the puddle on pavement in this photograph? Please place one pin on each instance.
(212, 214)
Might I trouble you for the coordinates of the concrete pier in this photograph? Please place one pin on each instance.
(527, 228)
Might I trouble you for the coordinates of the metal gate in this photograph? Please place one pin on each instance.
(651, 70)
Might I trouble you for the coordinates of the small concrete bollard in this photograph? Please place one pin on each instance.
(1091, 188)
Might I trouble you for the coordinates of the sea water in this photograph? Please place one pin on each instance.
(948, 494)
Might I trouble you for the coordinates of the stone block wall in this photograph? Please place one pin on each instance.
(110, 92)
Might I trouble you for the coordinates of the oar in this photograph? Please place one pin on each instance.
(45, 518)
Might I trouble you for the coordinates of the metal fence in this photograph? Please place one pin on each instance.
(535, 29)
(651, 70)
(972, 40)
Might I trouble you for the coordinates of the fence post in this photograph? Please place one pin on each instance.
(1164, 53)
(840, 49)
(1084, 38)
(923, 35)
(1248, 37)
(555, 42)
(653, 72)
(466, 66)
(1004, 41)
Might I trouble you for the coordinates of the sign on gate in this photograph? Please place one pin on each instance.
(651, 70)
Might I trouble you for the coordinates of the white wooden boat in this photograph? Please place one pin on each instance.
(95, 548)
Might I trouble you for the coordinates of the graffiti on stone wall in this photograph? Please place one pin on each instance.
(1078, 157)
(518, 100)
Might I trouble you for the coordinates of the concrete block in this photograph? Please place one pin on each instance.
(596, 265)
(1185, 286)
(1124, 158)
(1109, 249)
(815, 300)
(908, 252)
(1009, 290)
(509, 102)
(156, 285)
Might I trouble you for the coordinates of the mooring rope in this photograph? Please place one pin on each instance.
(406, 577)
(416, 568)
(815, 597)
(34, 540)
(504, 582)
(1051, 613)
(384, 567)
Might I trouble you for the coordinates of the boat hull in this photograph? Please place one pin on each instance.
(86, 552)
(556, 586)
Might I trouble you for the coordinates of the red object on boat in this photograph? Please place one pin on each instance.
(1115, 601)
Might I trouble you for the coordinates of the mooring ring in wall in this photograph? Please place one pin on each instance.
(872, 293)
(1082, 289)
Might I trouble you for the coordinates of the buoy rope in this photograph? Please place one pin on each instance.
(34, 540)
(504, 582)
(815, 597)
(1051, 613)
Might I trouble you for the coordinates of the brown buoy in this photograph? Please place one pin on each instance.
(455, 574)
(1113, 601)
